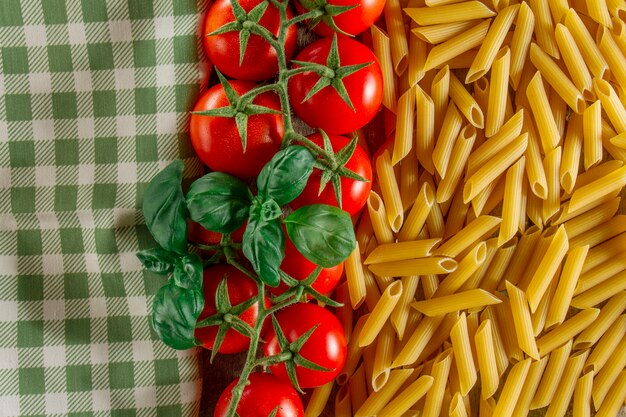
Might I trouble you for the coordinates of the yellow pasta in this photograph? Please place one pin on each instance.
(599, 11)
(611, 104)
(449, 13)
(524, 27)
(378, 218)
(458, 159)
(609, 313)
(498, 91)
(432, 265)
(409, 180)
(552, 166)
(440, 91)
(358, 388)
(534, 163)
(539, 316)
(417, 342)
(453, 47)
(354, 352)
(439, 339)
(599, 274)
(343, 406)
(318, 400)
(418, 50)
(565, 389)
(463, 355)
(572, 147)
(574, 62)
(450, 130)
(380, 314)
(606, 345)
(531, 383)
(498, 265)
(457, 406)
(466, 103)
(403, 142)
(390, 191)
(397, 36)
(439, 372)
(418, 214)
(522, 321)
(409, 396)
(377, 401)
(468, 236)
(512, 388)
(538, 100)
(570, 328)
(382, 49)
(355, 279)
(585, 43)
(344, 313)
(383, 357)
(551, 377)
(602, 253)
(492, 43)
(455, 302)
(400, 314)
(582, 395)
(614, 398)
(468, 265)
(609, 374)
(425, 134)
(603, 186)
(390, 252)
(612, 54)
(435, 34)
(599, 293)
(485, 349)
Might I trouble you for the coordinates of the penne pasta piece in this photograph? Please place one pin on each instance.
(619, 140)
(570, 328)
(565, 388)
(606, 345)
(417, 342)
(450, 130)
(425, 134)
(616, 7)
(599, 274)
(457, 406)
(598, 11)
(602, 233)
(480, 201)
(358, 388)
(601, 187)
(611, 104)
(400, 251)
(468, 236)
(540, 106)
(439, 372)
(457, 214)
(450, 13)
(600, 293)
(344, 313)
(551, 377)
(466, 103)
(558, 8)
(409, 396)
(468, 265)
(383, 357)
(481, 94)
(572, 148)
(585, 43)
(582, 395)
(557, 79)
(608, 375)
(502, 359)
(614, 399)
(372, 293)
(432, 265)
(613, 55)
(457, 45)
(318, 400)
(378, 218)
(368, 363)
(534, 163)
(397, 35)
(380, 314)
(574, 62)
(463, 355)
(524, 27)
(457, 162)
(400, 314)
(440, 91)
(404, 126)
(491, 44)
(418, 214)
(439, 339)
(604, 252)
(489, 377)
(343, 406)
(565, 289)
(390, 191)
(377, 401)
(455, 302)
(512, 389)
(409, 180)
(504, 316)
(539, 317)
(522, 321)
(592, 129)
(418, 51)
(552, 166)
(382, 49)
(355, 279)
(498, 91)
(354, 352)
(365, 232)
(544, 27)
(434, 34)
(531, 383)
(609, 313)
(498, 264)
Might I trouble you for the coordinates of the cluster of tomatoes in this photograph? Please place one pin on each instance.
(218, 144)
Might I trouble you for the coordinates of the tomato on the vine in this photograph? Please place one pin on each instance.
(354, 193)
(299, 267)
(217, 142)
(199, 234)
(353, 21)
(326, 109)
(241, 288)
(260, 61)
(260, 397)
(325, 347)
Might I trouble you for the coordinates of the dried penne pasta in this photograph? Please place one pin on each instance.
(600, 274)
(463, 355)
(498, 91)
(343, 406)
(451, 13)
(400, 251)
(466, 267)
(606, 345)
(582, 395)
(390, 191)
(611, 104)
(614, 398)
(457, 406)
(585, 43)
(377, 401)
(458, 159)
(453, 47)
(552, 166)
(468, 236)
(466, 103)
(439, 372)
(355, 279)
(608, 315)
(608, 375)
(354, 352)
(400, 314)
(409, 396)
(522, 321)
(611, 52)
(378, 218)
(524, 27)
(417, 342)
(566, 331)
(572, 148)
(432, 265)
(551, 377)
(440, 93)
(487, 364)
(383, 357)
(397, 36)
(512, 388)
(599, 11)
(540, 106)
(318, 400)
(434, 34)
(602, 253)
(425, 134)
(450, 130)
(600, 293)
(382, 49)
(358, 388)
(418, 214)
(380, 314)
(418, 51)
(574, 62)
(455, 302)
(403, 142)
(565, 388)
(531, 383)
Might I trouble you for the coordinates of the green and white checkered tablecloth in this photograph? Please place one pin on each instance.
(94, 97)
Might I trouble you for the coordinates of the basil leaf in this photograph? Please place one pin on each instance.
(323, 234)
(157, 260)
(175, 311)
(264, 246)
(188, 272)
(219, 202)
(164, 208)
(285, 176)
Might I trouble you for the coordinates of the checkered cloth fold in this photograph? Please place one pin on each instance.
(94, 96)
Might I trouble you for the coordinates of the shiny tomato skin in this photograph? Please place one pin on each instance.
(217, 142)
(325, 347)
(264, 393)
(299, 267)
(326, 110)
(240, 288)
(260, 61)
(199, 234)
(353, 21)
(353, 193)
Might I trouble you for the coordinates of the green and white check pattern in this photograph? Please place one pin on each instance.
(94, 96)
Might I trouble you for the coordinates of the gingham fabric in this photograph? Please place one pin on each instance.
(94, 96)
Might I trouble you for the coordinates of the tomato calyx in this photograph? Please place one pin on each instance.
(290, 354)
(246, 24)
(240, 107)
(332, 74)
(227, 317)
(300, 289)
(326, 13)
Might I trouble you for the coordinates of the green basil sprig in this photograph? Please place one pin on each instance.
(158, 260)
(188, 272)
(285, 176)
(264, 246)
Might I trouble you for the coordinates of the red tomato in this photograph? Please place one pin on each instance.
(260, 61)
(217, 142)
(326, 110)
(325, 347)
(240, 288)
(263, 394)
(299, 267)
(199, 234)
(353, 193)
(353, 21)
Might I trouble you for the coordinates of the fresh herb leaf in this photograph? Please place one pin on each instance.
(157, 260)
(188, 272)
(285, 176)
(264, 246)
